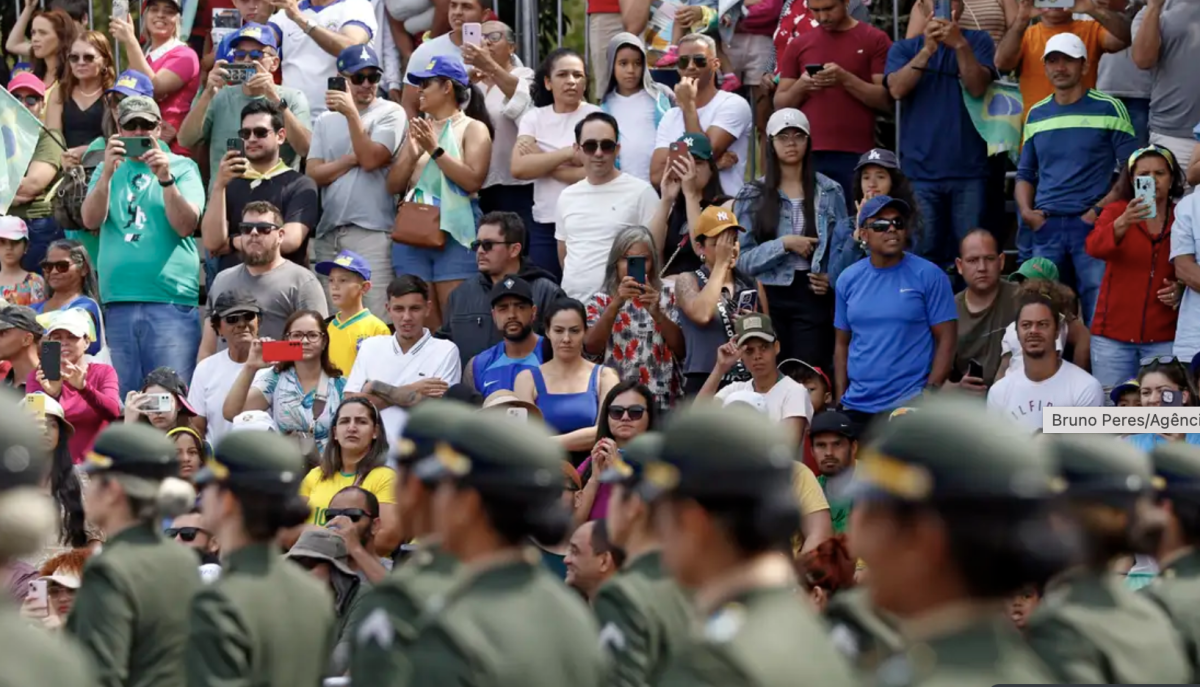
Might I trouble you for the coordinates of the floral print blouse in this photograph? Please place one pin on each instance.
(636, 348)
(292, 409)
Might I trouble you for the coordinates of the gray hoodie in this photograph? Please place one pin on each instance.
(663, 96)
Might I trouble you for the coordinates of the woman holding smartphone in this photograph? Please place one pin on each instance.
(1164, 381)
(690, 183)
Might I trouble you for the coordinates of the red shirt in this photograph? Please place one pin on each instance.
(761, 19)
(1128, 309)
(796, 22)
(839, 121)
(603, 7)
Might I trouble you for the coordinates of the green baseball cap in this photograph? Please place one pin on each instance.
(698, 145)
(264, 462)
(139, 454)
(1035, 268)
(490, 450)
(1099, 466)
(1177, 469)
(138, 106)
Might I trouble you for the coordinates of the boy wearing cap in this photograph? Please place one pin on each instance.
(312, 37)
(349, 278)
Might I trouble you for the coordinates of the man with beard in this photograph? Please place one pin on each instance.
(354, 514)
(1091, 628)
(514, 312)
(1178, 466)
(985, 308)
(1047, 379)
(188, 530)
(281, 287)
(835, 448)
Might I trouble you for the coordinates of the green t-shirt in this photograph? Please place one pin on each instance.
(839, 509)
(49, 150)
(142, 258)
(223, 119)
(89, 239)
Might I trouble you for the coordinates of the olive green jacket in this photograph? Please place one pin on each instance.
(1177, 590)
(30, 656)
(986, 652)
(865, 635)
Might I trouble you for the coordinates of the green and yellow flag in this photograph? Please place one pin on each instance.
(19, 131)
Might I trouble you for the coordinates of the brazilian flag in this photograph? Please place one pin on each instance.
(19, 131)
(997, 117)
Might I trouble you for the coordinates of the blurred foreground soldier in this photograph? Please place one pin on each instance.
(724, 511)
(507, 622)
(267, 621)
(1177, 587)
(948, 540)
(1089, 627)
(27, 521)
(131, 612)
(644, 616)
(387, 623)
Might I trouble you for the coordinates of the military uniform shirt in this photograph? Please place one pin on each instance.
(33, 658)
(1177, 590)
(860, 631)
(983, 654)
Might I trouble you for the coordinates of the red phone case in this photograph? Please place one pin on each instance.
(282, 351)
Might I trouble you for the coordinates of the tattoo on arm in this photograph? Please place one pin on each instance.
(400, 396)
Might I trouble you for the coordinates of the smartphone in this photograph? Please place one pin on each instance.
(337, 83)
(1054, 4)
(517, 413)
(813, 69)
(120, 9)
(239, 73)
(282, 351)
(636, 267)
(1170, 397)
(677, 151)
(1144, 188)
(235, 145)
(38, 599)
(37, 404)
(52, 360)
(472, 33)
(941, 10)
(974, 369)
(226, 19)
(156, 403)
(747, 301)
(136, 146)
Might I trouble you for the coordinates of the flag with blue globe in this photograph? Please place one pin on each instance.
(19, 131)
(997, 117)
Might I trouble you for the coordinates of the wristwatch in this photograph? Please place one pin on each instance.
(309, 26)
(1097, 210)
(283, 104)
(437, 152)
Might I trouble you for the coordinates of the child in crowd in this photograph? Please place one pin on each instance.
(636, 101)
(1127, 394)
(820, 391)
(349, 280)
(17, 286)
(1022, 605)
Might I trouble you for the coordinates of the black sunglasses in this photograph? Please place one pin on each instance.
(701, 61)
(185, 533)
(31, 100)
(252, 54)
(885, 225)
(63, 266)
(355, 514)
(239, 318)
(76, 58)
(606, 145)
(372, 77)
(1161, 360)
(261, 228)
(257, 132)
(138, 125)
(487, 245)
(635, 413)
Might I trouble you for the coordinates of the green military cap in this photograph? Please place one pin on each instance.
(25, 459)
(950, 449)
(1176, 468)
(261, 461)
(428, 423)
(713, 451)
(490, 450)
(630, 463)
(1101, 466)
(142, 455)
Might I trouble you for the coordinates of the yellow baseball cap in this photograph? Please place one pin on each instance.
(715, 220)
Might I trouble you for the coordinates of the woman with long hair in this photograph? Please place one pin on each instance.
(628, 412)
(64, 482)
(190, 449)
(545, 150)
(689, 185)
(567, 388)
(633, 324)
(52, 33)
(77, 106)
(456, 123)
(302, 396)
(791, 214)
(1164, 381)
(71, 283)
(877, 173)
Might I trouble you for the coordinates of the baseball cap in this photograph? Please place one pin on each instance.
(747, 397)
(131, 82)
(171, 381)
(876, 205)
(511, 285)
(27, 81)
(714, 220)
(256, 420)
(446, 66)
(255, 32)
(1035, 268)
(792, 366)
(787, 118)
(698, 145)
(881, 157)
(753, 326)
(831, 421)
(1123, 388)
(76, 321)
(230, 302)
(347, 260)
(137, 106)
(65, 577)
(357, 58)
(38, 402)
(1066, 43)
(20, 317)
(322, 545)
(13, 228)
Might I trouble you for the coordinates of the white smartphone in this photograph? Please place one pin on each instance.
(120, 9)
(157, 403)
(518, 413)
(1054, 4)
(1143, 187)
(38, 600)
(472, 32)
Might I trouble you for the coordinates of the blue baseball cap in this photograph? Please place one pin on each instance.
(873, 207)
(356, 58)
(255, 32)
(133, 83)
(881, 157)
(1123, 388)
(347, 260)
(445, 66)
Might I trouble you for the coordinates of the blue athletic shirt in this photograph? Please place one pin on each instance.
(492, 370)
(888, 313)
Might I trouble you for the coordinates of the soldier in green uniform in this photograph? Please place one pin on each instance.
(506, 622)
(724, 511)
(266, 622)
(949, 505)
(863, 633)
(643, 614)
(131, 610)
(1177, 587)
(28, 655)
(1089, 627)
(388, 613)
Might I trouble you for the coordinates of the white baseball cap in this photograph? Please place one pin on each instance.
(77, 321)
(751, 398)
(787, 118)
(1066, 43)
(258, 420)
(13, 228)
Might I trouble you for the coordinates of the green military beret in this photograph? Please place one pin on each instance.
(428, 423)
(25, 459)
(1176, 468)
(951, 449)
(1100, 465)
(261, 461)
(630, 463)
(713, 451)
(491, 450)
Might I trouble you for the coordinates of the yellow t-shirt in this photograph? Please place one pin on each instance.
(809, 496)
(346, 336)
(319, 492)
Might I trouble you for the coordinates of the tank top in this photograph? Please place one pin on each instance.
(984, 15)
(458, 124)
(81, 127)
(568, 412)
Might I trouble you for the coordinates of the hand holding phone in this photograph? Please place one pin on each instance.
(1172, 398)
(974, 369)
(136, 146)
(747, 301)
(282, 351)
(37, 602)
(1144, 191)
(337, 83)
(51, 359)
(235, 145)
(813, 69)
(472, 33)
(677, 151)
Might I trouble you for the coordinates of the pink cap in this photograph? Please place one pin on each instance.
(27, 81)
(13, 228)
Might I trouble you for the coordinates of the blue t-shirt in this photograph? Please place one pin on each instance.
(937, 138)
(93, 309)
(1071, 150)
(1147, 442)
(888, 313)
(492, 370)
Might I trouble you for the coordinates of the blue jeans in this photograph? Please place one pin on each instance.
(1139, 116)
(838, 166)
(543, 249)
(145, 336)
(1024, 241)
(1062, 239)
(42, 233)
(950, 209)
(1115, 361)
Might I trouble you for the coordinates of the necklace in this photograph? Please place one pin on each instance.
(89, 94)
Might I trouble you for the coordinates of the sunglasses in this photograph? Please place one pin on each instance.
(62, 266)
(634, 413)
(139, 125)
(355, 514)
(257, 228)
(701, 61)
(1161, 360)
(239, 318)
(885, 225)
(184, 533)
(372, 77)
(252, 54)
(487, 246)
(311, 337)
(76, 58)
(256, 132)
(31, 100)
(607, 146)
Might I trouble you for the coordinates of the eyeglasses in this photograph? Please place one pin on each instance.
(62, 266)
(185, 533)
(607, 146)
(31, 100)
(701, 61)
(257, 132)
(311, 337)
(494, 37)
(373, 77)
(239, 318)
(257, 228)
(635, 413)
(252, 54)
(139, 125)
(76, 58)
(885, 225)
(487, 246)
(354, 514)
(796, 137)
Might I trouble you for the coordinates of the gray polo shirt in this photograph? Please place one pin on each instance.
(280, 292)
(1174, 99)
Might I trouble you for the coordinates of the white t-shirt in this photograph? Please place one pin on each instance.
(425, 52)
(552, 131)
(726, 111)
(1012, 344)
(306, 65)
(211, 381)
(1023, 399)
(635, 118)
(787, 399)
(589, 218)
(380, 358)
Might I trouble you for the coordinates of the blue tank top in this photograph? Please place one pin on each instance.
(568, 412)
(493, 370)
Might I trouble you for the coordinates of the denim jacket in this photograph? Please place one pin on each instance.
(844, 251)
(769, 262)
